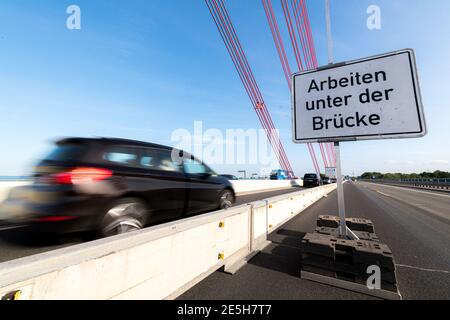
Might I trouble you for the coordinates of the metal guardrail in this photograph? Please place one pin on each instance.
(428, 181)
(434, 184)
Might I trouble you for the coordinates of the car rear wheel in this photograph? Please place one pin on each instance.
(226, 199)
(125, 215)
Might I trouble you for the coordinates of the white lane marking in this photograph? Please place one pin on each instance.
(422, 269)
(417, 205)
(10, 228)
(384, 194)
(414, 190)
(394, 197)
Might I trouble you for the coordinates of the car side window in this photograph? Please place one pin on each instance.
(122, 155)
(157, 159)
(149, 159)
(166, 162)
(192, 166)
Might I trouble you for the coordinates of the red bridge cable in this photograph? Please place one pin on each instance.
(261, 110)
(271, 19)
(269, 119)
(281, 52)
(307, 55)
(226, 37)
(305, 15)
(330, 154)
(278, 41)
(300, 29)
(304, 28)
(245, 74)
(331, 145)
(312, 53)
(250, 77)
(294, 42)
(313, 156)
(292, 35)
(322, 151)
(307, 43)
(234, 60)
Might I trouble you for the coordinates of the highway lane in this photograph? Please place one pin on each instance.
(430, 201)
(425, 187)
(247, 198)
(16, 243)
(415, 225)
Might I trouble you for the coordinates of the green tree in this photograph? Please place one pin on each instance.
(397, 176)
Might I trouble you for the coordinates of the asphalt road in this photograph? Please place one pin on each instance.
(414, 223)
(15, 244)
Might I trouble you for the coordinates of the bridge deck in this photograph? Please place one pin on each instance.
(415, 224)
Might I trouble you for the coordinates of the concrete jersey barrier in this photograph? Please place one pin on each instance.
(241, 187)
(160, 262)
(7, 186)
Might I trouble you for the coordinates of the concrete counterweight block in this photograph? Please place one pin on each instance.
(335, 233)
(348, 263)
(355, 224)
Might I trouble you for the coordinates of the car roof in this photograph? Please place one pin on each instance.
(113, 141)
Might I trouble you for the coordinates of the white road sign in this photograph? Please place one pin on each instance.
(373, 98)
(330, 172)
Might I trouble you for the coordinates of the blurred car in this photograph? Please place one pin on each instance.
(280, 175)
(311, 180)
(326, 180)
(114, 186)
(229, 177)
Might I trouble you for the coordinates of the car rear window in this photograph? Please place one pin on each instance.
(311, 176)
(66, 152)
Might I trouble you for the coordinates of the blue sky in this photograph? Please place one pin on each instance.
(142, 69)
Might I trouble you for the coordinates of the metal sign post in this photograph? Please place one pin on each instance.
(330, 172)
(372, 98)
(340, 185)
(340, 192)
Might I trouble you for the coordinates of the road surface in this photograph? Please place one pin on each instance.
(15, 244)
(414, 223)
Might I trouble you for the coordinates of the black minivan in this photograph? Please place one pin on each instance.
(114, 186)
(311, 180)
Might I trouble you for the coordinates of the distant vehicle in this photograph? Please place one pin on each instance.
(326, 180)
(310, 180)
(280, 175)
(333, 180)
(229, 176)
(114, 186)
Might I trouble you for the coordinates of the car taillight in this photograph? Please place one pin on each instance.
(81, 175)
(56, 219)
